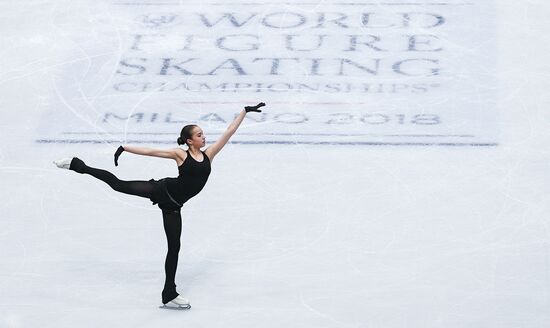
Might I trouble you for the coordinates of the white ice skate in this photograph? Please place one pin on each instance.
(64, 163)
(178, 303)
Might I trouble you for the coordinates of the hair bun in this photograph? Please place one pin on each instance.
(179, 141)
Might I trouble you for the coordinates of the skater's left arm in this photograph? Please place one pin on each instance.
(218, 145)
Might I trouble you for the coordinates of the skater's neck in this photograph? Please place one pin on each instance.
(194, 151)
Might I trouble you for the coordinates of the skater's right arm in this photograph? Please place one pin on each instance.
(146, 151)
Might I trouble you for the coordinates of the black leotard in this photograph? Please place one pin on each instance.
(192, 178)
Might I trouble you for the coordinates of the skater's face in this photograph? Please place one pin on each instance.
(197, 138)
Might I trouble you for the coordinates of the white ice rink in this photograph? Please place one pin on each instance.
(397, 178)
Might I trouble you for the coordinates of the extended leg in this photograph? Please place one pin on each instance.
(138, 188)
(172, 228)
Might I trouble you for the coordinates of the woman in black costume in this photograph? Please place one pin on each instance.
(169, 193)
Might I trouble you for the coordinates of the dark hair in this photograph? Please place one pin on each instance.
(186, 133)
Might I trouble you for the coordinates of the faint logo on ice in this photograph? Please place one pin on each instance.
(376, 73)
(158, 20)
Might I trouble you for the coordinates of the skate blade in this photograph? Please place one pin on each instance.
(183, 307)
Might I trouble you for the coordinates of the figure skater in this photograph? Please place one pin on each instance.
(169, 193)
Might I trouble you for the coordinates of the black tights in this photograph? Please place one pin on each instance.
(172, 228)
(137, 187)
(171, 220)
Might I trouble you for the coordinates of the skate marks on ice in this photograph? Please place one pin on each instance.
(389, 74)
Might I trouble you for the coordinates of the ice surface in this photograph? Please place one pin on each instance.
(398, 176)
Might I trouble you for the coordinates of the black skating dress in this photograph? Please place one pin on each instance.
(172, 193)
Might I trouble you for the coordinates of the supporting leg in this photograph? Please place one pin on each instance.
(172, 228)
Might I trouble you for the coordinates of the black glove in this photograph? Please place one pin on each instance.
(117, 154)
(254, 108)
